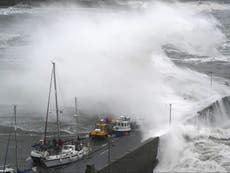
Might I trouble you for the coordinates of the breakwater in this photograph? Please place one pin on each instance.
(141, 159)
(215, 114)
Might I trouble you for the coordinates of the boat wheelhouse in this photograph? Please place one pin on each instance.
(102, 129)
(122, 126)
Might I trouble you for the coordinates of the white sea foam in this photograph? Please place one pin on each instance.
(208, 5)
(6, 38)
(15, 10)
(208, 59)
(199, 152)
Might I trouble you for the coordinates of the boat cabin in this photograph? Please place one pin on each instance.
(122, 126)
(68, 148)
(101, 129)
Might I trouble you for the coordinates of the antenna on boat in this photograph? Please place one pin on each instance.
(15, 137)
(56, 100)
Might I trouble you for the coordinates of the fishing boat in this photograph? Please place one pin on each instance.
(102, 129)
(122, 126)
(56, 152)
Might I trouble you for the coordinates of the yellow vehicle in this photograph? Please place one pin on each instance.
(101, 129)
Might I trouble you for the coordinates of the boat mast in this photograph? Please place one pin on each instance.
(56, 100)
(76, 108)
(76, 115)
(15, 137)
(7, 147)
(48, 105)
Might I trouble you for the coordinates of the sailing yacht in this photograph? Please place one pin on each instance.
(58, 152)
(6, 168)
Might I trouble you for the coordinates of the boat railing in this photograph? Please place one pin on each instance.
(6, 166)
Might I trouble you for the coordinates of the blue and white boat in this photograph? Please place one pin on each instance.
(122, 126)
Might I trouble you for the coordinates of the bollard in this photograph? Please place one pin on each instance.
(90, 169)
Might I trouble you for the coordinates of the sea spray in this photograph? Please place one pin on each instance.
(113, 59)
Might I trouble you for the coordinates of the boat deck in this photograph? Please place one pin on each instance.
(99, 157)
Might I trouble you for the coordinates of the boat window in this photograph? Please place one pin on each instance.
(66, 147)
(98, 127)
(101, 127)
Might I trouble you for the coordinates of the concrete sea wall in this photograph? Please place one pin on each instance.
(141, 159)
(213, 115)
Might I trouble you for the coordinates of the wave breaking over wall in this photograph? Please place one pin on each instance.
(216, 114)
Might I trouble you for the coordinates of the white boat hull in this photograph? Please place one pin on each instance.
(7, 170)
(64, 159)
(122, 130)
(61, 161)
(122, 125)
(36, 156)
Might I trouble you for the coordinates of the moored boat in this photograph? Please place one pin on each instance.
(6, 168)
(102, 129)
(56, 152)
(122, 126)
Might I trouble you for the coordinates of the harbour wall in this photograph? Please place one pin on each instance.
(216, 114)
(141, 159)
